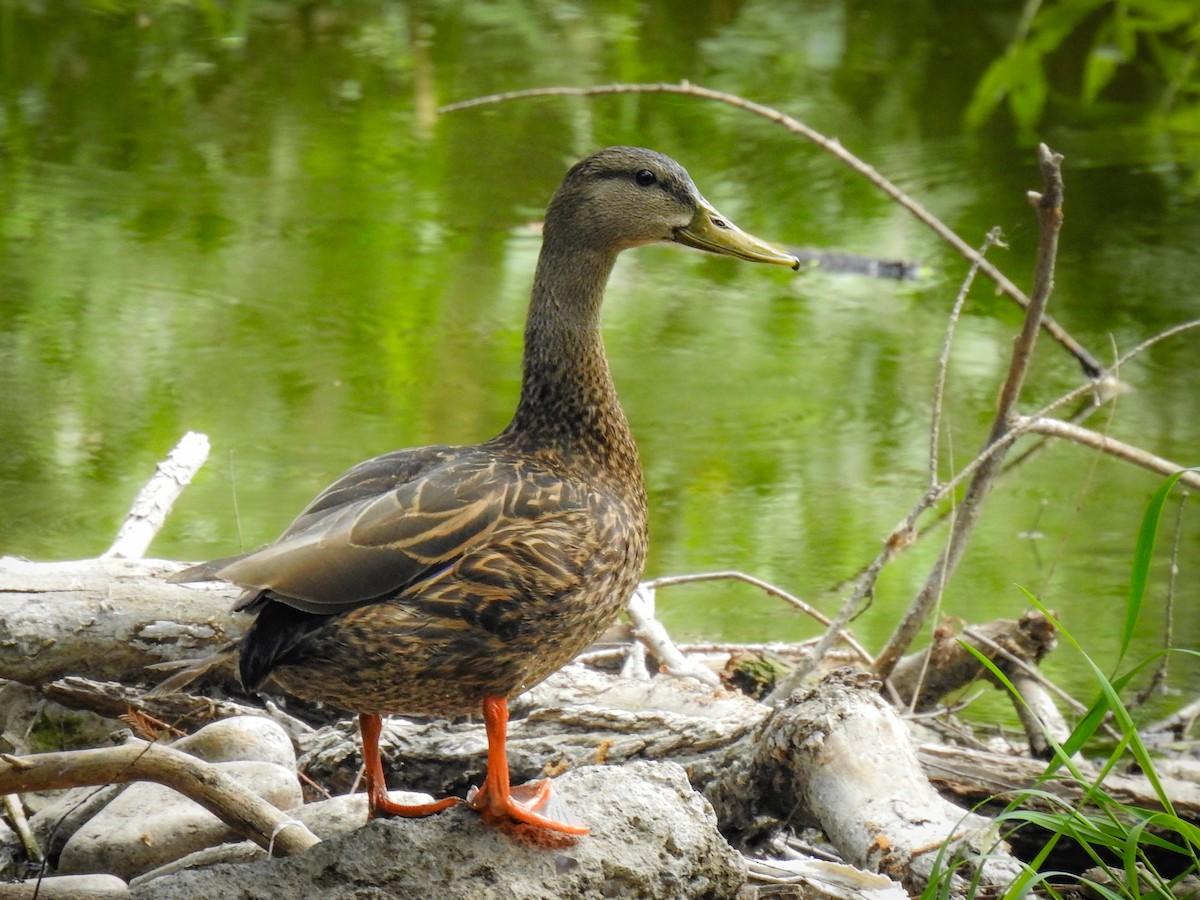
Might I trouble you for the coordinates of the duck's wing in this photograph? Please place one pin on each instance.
(355, 544)
(365, 481)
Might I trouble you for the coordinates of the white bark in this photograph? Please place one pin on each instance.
(106, 618)
(154, 501)
(840, 756)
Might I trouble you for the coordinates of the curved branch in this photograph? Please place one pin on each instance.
(1090, 365)
(1086, 437)
(769, 589)
(1050, 216)
(138, 760)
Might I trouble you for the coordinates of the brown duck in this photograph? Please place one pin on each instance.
(440, 580)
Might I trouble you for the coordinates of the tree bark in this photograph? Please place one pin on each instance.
(108, 618)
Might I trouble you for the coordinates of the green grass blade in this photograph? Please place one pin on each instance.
(1143, 553)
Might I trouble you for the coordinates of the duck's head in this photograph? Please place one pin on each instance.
(627, 196)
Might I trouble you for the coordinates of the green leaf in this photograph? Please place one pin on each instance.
(1027, 95)
(1108, 53)
(992, 87)
(1143, 554)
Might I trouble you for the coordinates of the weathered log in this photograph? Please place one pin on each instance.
(975, 776)
(109, 618)
(922, 679)
(841, 757)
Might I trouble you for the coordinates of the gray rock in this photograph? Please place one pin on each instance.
(241, 737)
(55, 823)
(148, 824)
(325, 819)
(235, 738)
(652, 837)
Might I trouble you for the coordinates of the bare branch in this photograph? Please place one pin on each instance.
(772, 590)
(993, 237)
(1095, 440)
(154, 501)
(1087, 362)
(138, 760)
(1049, 206)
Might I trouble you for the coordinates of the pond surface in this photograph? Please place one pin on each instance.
(248, 220)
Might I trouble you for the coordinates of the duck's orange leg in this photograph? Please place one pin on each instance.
(497, 799)
(378, 802)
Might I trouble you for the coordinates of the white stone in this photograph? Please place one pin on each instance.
(241, 737)
(324, 818)
(148, 824)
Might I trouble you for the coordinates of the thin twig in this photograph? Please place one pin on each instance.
(939, 387)
(1087, 362)
(1049, 206)
(768, 588)
(1101, 391)
(1105, 444)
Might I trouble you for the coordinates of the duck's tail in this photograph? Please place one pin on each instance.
(192, 669)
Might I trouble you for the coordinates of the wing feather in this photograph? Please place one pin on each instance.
(378, 544)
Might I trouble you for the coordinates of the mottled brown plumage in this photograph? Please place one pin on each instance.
(438, 580)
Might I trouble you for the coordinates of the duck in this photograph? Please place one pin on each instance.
(446, 580)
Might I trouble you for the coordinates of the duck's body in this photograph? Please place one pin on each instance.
(440, 580)
(460, 572)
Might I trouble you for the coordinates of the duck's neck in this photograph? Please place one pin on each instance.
(568, 400)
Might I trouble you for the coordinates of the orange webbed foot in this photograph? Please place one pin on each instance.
(534, 803)
(380, 806)
(378, 802)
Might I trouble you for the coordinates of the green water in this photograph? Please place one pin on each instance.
(246, 219)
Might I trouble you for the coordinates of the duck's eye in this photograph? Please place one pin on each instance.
(645, 177)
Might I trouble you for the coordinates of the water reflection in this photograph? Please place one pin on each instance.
(245, 222)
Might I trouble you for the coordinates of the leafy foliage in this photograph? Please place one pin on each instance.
(1154, 41)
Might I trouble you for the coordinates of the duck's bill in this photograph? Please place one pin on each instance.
(711, 231)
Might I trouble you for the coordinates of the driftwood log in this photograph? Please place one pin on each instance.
(108, 618)
(835, 756)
